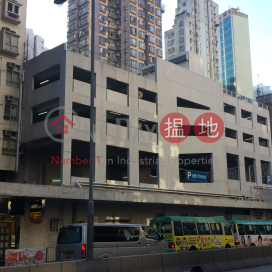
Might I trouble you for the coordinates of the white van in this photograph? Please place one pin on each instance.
(110, 240)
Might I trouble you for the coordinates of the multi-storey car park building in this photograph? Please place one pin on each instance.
(153, 181)
(235, 52)
(12, 38)
(129, 33)
(195, 38)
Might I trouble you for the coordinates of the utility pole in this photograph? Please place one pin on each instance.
(90, 215)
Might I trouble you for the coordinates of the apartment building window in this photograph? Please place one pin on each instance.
(250, 169)
(84, 52)
(11, 42)
(142, 23)
(83, 21)
(142, 34)
(160, 53)
(151, 18)
(263, 142)
(84, 42)
(102, 40)
(152, 1)
(133, 63)
(181, 23)
(11, 108)
(71, 17)
(151, 59)
(159, 3)
(142, 65)
(13, 10)
(159, 32)
(102, 18)
(12, 79)
(133, 1)
(181, 31)
(72, 27)
(103, 7)
(142, 45)
(83, 31)
(246, 115)
(159, 22)
(133, 20)
(9, 143)
(133, 52)
(133, 30)
(159, 12)
(141, 13)
(71, 47)
(133, 41)
(181, 48)
(82, 1)
(102, 51)
(142, 56)
(84, 10)
(230, 133)
(229, 109)
(152, 39)
(151, 8)
(248, 138)
(102, 29)
(265, 167)
(159, 42)
(133, 9)
(72, 6)
(151, 28)
(181, 39)
(151, 49)
(71, 38)
(262, 120)
(233, 166)
(142, 3)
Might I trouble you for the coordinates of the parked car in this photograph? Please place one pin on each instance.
(110, 240)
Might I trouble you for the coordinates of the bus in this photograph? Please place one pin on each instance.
(251, 233)
(194, 233)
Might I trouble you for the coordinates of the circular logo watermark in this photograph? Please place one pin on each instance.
(63, 124)
(209, 127)
(175, 127)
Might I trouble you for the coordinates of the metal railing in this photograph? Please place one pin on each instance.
(248, 100)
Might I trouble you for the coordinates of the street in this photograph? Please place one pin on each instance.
(255, 269)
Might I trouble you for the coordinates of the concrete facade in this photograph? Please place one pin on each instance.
(196, 30)
(59, 78)
(235, 52)
(129, 32)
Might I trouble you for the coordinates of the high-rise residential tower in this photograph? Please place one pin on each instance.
(12, 39)
(129, 33)
(235, 52)
(196, 35)
(34, 45)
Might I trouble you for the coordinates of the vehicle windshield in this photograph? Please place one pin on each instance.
(70, 235)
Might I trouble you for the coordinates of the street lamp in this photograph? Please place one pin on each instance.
(90, 215)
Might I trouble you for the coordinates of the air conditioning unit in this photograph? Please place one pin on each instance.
(7, 132)
(8, 98)
(125, 51)
(11, 65)
(126, 40)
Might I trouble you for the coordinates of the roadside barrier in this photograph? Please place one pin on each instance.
(189, 260)
(267, 250)
(206, 261)
(171, 262)
(247, 257)
(221, 259)
(234, 258)
(258, 256)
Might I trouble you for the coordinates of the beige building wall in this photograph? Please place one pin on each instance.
(12, 39)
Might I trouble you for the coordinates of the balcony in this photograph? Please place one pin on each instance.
(9, 42)
(114, 4)
(115, 36)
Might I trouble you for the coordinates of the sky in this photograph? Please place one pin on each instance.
(51, 23)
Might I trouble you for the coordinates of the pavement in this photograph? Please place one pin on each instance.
(267, 268)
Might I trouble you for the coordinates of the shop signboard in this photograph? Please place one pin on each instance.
(26, 256)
